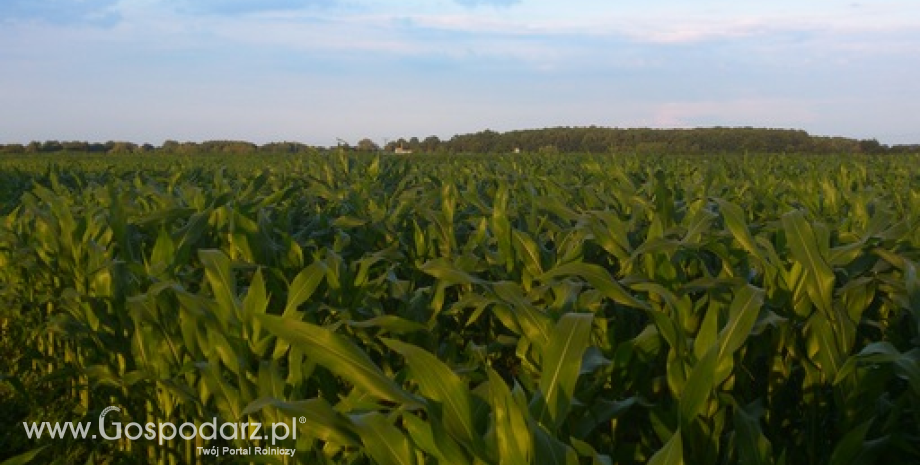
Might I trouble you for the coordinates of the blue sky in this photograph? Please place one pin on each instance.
(317, 70)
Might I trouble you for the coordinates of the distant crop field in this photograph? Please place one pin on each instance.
(461, 309)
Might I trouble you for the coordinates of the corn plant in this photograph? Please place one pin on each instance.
(467, 309)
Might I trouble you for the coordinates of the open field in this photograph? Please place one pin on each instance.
(466, 309)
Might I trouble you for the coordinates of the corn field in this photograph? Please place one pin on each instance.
(589, 309)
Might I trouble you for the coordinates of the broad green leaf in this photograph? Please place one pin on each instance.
(501, 226)
(528, 251)
(219, 271)
(562, 365)
(383, 442)
(437, 381)
(805, 248)
(432, 439)
(908, 368)
(535, 324)
(24, 458)
(602, 411)
(319, 419)
(699, 385)
(742, 315)
(390, 323)
(671, 454)
(698, 227)
(445, 270)
(548, 450)
(585, 450)
(822, 346)
(339, 355)
(876, 352)
(753, 447)
(708, 334)
(849, 447)
(599, 278)
(304, 285)
(736, 224)
(164, 250)
(256, 300)
(512, 434)
(349, 221)
(610, 232)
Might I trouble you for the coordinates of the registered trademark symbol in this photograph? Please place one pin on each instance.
(303, 419)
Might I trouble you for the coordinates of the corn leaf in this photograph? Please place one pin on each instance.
(562, 365)
(437, 381)
(338, 355)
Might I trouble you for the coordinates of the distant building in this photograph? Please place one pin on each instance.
(402, 151)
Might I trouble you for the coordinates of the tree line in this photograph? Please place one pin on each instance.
(595, 139)
(591, 139)
(169, 146)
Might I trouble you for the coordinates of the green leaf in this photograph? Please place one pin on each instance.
(501, 226)
(437, 381)
(671, 454)
(850, 446)
(432, 439)
(822, 346)
(445, 270)
(534, 323)
(742, 315)
(256, 300)
(753, 447)
(164, 250)
(219, 272)
(602, 411)
(304, 285)
(708, 334)
(338, 355)
(512, 435)
(562, 365)
(876, 352)
(699, 385)
(349, 221)
(805, 248)
(908, 368)
(24, 458)
(599, 278)
(383, 442)
(585, 450)
(528, 251)
(548, 450)
(716, 363)
(390, 323)
(733, 216)
(316, 418)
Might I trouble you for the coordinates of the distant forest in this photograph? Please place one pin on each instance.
(549, 140)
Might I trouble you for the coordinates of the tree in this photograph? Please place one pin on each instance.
(14, 148)
(367, 145)
(52, 146)
(870, 146)
(75, 146)
(431, 144)
(170, 146)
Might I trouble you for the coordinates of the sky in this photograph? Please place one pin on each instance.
(315, 71)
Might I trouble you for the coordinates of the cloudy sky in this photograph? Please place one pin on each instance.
(317, 70)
